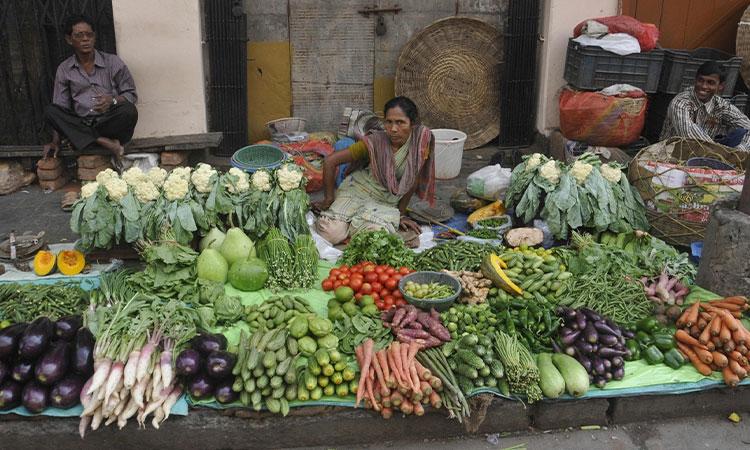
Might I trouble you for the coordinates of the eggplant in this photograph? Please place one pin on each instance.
(602, 327)
(10, 394)
(607, 352)
(82, 357)
(591, 314)
(200, 386)
(219, 364)
(594, 348)
(22, 371)
(4, 371)
(35, 397)
(9, 337)
(35, 338)
(66, 327)
(188, 362)
(608, 376)
(555, 347)
(224, 393)
(53, 365)
(581, 321)
(607, 364)
(584, 347)
(568, 339)
(608, 340)
(618, 373)
(590, 334)
(570, 351)
(585, 362)
(598, 366)
(206, 343)
(617, 362)
(66, 392)
(600, 382)
(627, 334)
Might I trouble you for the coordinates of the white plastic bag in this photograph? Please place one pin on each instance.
(143, 161)
(619, 43)
(489, 183)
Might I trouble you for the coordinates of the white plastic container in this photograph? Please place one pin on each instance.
(449, 151)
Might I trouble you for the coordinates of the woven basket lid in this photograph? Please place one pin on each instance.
(743, 44)
(451, 70)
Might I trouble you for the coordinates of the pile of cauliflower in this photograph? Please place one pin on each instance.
(176, 185)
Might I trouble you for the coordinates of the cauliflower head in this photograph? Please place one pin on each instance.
(262, 180)
(116, 189)
(202, 177)
(146, 191)
(183, 172)
(105, 175)
(238, 181)
(157, 175)
(580, 171)
(611, 173)
(89, 189)
(533, 161)
(289, 177)
(175, 187)
(550, 171)
(133, 176)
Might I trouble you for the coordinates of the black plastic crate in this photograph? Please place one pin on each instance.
(588, 67)
(739, 99)
(680, 66)
(655, 115)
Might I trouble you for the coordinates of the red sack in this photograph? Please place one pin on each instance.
(309, 155)
(646, 33)
(598, 119)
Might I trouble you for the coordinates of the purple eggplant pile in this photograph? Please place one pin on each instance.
(206, 368)
(595, 341)
(45, 363)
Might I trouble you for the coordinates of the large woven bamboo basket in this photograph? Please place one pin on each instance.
(451, 70)
(743, 44)
(679, 179)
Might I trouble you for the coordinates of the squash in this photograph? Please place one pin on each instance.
(70, 262)
(550, 379)
(492, 268)
(44, 262)
(495, 208)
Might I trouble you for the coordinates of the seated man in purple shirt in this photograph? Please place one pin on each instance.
(94, 95)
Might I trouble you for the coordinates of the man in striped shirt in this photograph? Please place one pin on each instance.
(701, 113)
(94, 95)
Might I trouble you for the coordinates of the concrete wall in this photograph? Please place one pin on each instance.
(160, 41)
(269, 53)
(559, 18)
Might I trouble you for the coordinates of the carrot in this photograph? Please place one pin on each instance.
(736, 314)
(707, 316)
(705, 336)
(359, 353)
(407, 407)
(414, 378)
(719, 359)
(380, 376)
(710, 346)
(367, 352)
(729, 320)
(729, 346)
(699, 365)
(726, 306)
(735, 300)
(418, 409)
(738, 337)
(425, 388)
(404, 353)
(392, 364)
(725, 335)
(742, 348)
(704, 355)
(435, 400)
(396, 399)
(685, 338)
(739, 357)
(737, 368)
(682, 320)
(702, 323)
(692, 317)
(387, 413)
(424, 373)
(396, 353)
(413, 353)
(716, 326)
(730, 378)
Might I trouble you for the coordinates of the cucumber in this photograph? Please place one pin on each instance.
(550, 379)
(485, 371)
(575, 375)
(497, 369)
(470, 358)
(467, 371)
(468, 341)
(269, 360)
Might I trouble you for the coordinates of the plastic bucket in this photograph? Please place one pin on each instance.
(449, 151)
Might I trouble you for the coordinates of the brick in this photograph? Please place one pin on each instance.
(554, 415)
(714, 402)
(49, 163)
(53, 185)
(174, 158)
(93, 161)
(89, 174)
(49, 174)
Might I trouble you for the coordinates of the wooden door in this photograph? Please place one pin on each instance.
(689, 24)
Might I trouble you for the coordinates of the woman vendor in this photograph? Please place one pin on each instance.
(386, 169)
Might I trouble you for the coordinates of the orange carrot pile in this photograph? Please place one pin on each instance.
(711, 335)
(392, 379)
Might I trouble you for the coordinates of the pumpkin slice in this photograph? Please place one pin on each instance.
(70, 262)
(44, 263)
(491, 268)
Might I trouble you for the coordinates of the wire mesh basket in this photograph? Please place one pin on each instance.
(258, 156)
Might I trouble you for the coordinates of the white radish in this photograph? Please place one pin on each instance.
(111, 404)
(91, 407)
(84, 397)
(100, 375)
(99, 394)
(114, 378)
(171, 400)
(124, 399)
(130, 368)
(83, 424)
(110, 421)
(165, 362)
(97, 419)
(139, 390)
(156, 384)
(121, 422)
(158, 418)
(129, 410)
(144, 362)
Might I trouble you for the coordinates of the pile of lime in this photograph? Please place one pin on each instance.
(344, 303)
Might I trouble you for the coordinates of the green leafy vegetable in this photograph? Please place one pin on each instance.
(379, 247)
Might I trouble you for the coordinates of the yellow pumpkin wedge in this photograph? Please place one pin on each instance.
(70, 262)
(491, 268)
(44, 262)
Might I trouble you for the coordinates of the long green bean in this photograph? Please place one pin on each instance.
(455, 256)
(25, 302)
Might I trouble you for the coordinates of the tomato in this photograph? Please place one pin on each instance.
(404, 270)
(397, 293)
(390, 271)
(397, 277)
(377, 286)
(400, 302)
(384, 293)
(383, 277)
(327, 285)
(390, 283)
(380, 304)
(336, 284)
(375, 296)
(342, 276)
(368, 268)
(366, 288)
(343, 267)
(388, 301)
(358, 295)
(346, 282)
(355, 283)
(371, 276)
(334, 273)
(380, 269)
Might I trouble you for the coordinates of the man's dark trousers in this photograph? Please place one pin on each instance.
(117, 123)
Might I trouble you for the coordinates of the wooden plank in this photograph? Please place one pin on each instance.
(628, 7)
(649, 11)
(673, 22)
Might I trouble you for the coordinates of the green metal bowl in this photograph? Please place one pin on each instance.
(431, 277)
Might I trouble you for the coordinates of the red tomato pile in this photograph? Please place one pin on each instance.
(366, 278)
